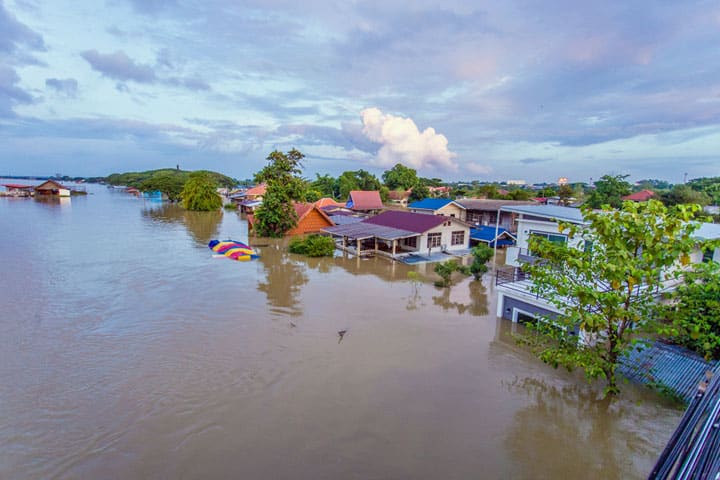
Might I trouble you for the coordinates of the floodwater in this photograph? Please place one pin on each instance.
(128, 351)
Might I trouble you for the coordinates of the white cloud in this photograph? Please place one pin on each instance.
(402, 142)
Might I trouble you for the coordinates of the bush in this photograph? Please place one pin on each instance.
(313, 246)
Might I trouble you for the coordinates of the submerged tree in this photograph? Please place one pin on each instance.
(199, 193)
(606, 286)
(277, 215)
(446, 269)
(481, 255)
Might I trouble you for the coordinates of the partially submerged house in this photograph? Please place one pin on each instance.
(18, 190)
(396, 234)
(491, 236)
(365, 201)
(250, 199)
(52, 188)
(516, 301)
(438, 206)
(311, 219)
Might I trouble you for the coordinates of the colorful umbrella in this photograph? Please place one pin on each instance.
(232, 249)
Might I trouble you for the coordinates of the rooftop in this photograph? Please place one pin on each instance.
(364, 200)
(491, 204)
(432, 203)
(414, 222)
(551, 212)
(363, 230)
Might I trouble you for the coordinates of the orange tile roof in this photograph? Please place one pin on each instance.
(641, 196)
(328, 202)
(257, 190)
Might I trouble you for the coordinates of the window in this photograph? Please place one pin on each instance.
(553, 237)
(708, 254)
(410, 242)
(458, 238)
(434, 240)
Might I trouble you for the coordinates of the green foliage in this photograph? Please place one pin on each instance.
(481, 255)
(135, 179)
(326, 185)
(277, 215)
(694, 313)
(707, 185)
(356, 180)
(607, 291)
(609, 190)
(565, 192)
(313, 246)
(681, 194)
(169, 182)
(400, 177)
(419, 192)
(199, 193)
(445, 271)
(230, 206)
(519, 194)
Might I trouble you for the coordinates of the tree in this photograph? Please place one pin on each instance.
(400, 177)
(609, 190)
(680, 194)
(326, 185)
(446, 269)
(606, 289)
(481, 255)
(565, 192)
(694, 311)
(708, 185)
(313, 246)
(277, 215)
(199, 193)
(168, 182)
(419, 192)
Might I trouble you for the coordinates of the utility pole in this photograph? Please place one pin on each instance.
(685, 178)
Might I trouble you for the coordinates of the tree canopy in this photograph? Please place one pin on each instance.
(169, 181)
(400, 177)
(199, 193)
(682, 193)
(609, 190)
(277, 215)
(356, 180)
(605, 286)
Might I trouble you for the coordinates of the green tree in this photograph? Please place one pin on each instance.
(481, 255)
(606, 289)
(313, 246)
(609, 190)
(326, 185)
(277, 215)
(199, 193)
(694, 311)
(168, 182)
(520, 194)
(565, 192)
(708, 185)
(400, 177)
(680, 194)
(419, 192)
(445, 271)
(356, 180)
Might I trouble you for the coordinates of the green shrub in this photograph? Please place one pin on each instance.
(313, 246)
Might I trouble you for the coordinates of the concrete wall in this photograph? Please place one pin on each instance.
(509, 303)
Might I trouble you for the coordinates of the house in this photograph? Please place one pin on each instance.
(367, 201)
(397, 234)
(399, 197)
(641, 196)
(486, 212)
(327, 202)
(250, 199)
(516, 302)
(52, 188)
(17, 190)
(311, 219)
(438, 206)
(439, 191)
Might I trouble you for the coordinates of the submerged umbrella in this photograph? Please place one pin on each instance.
(232, 249)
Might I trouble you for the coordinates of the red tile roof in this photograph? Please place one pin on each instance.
(365, 200)
(413, 222)
(303, 208)
(641, 196)
(328, 202)
(16, 185)
(257, 190)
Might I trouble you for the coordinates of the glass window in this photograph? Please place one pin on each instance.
(434, 240)
(458, 238)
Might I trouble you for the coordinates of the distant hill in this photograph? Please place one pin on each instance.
(136, 179)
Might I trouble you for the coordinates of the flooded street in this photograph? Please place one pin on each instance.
(128, 351)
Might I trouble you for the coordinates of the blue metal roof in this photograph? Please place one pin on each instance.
(668, 366)
(486, 233)
(430, 203)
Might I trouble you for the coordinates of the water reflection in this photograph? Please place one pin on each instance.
(284, 278)
(476, 304)
(202, 226)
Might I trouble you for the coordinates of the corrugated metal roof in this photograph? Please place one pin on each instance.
(551, 212)
(707, 231)
(667, 366)
(491, 204)
(345, 219)
(368, 230)
(414, 222)
(431, 203)
(486, 233)
(364, 200)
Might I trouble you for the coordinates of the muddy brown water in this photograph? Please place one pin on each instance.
(128, 351)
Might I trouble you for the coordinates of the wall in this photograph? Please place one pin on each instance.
(446, 237)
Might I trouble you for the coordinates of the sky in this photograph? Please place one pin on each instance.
(460, 90)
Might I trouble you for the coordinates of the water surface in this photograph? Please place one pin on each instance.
(128, 351)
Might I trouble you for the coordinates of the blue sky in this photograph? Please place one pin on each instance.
(530, 90)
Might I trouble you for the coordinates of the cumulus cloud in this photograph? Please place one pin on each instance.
(402, 142)
(119, 66)
(66, 86)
